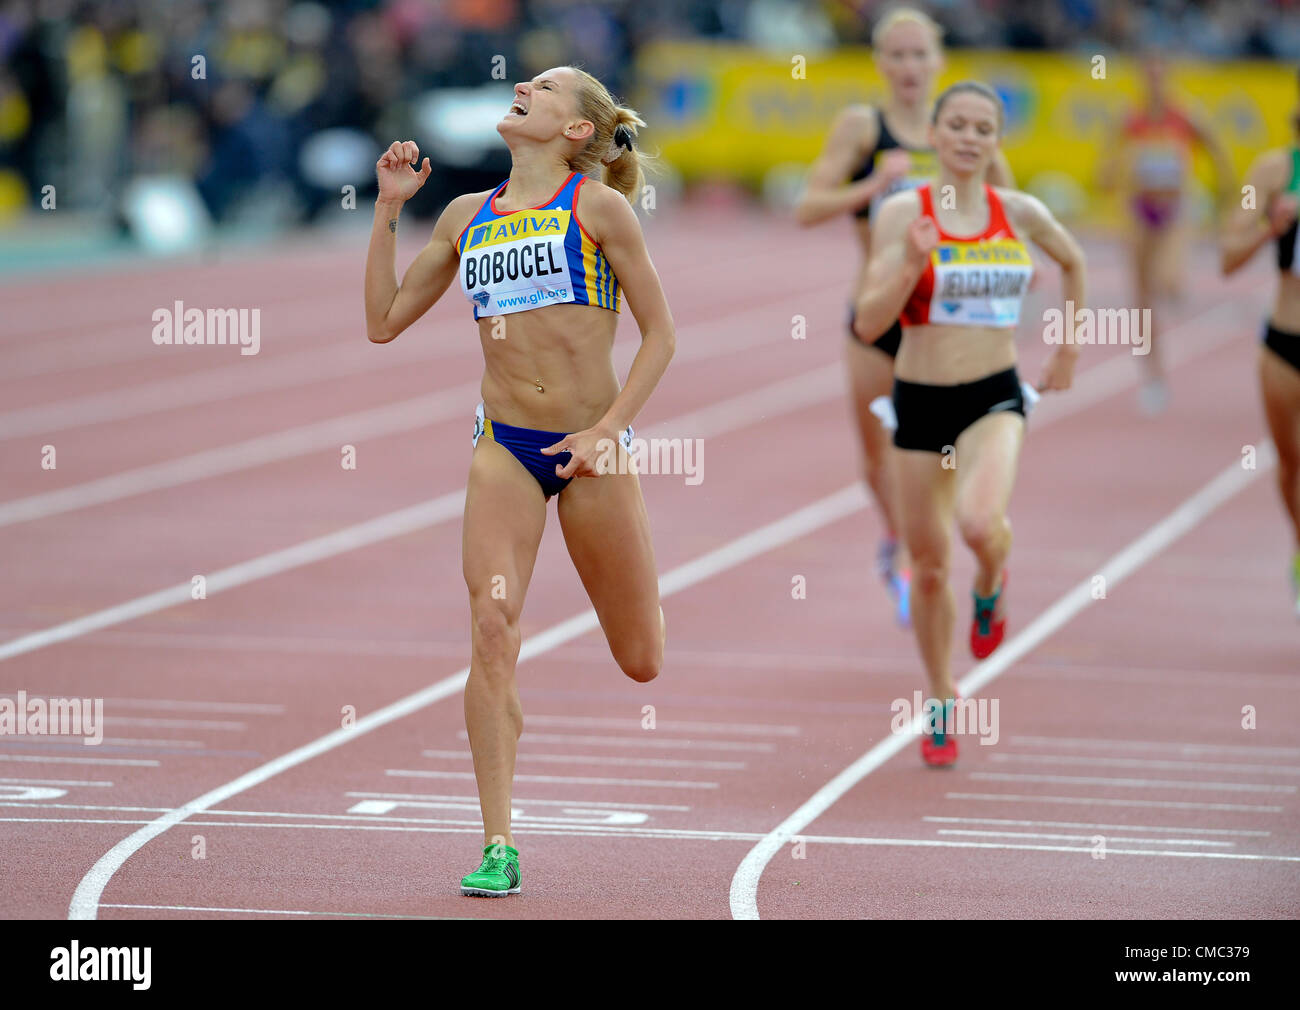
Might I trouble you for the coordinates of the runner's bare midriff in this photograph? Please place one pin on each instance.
(947, 355)
(567, 350)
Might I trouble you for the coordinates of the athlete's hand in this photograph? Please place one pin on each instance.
(592, 452)
(922, 238)
(398, 179)
(1058, 369)
(1282, 214)
(894, 166)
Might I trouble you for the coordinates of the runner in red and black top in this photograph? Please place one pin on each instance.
(956, 271)
(871, 153)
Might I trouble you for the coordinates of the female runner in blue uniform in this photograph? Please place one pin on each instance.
(956, 272)
(1275, 177)
(545, 260)
(871, 153)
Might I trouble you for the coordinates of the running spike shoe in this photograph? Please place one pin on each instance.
(497, 876)
(939, 743)
(985, 633)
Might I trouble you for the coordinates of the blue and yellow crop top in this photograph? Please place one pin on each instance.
(528, 259)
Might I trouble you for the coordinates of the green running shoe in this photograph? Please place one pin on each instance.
(496, 877)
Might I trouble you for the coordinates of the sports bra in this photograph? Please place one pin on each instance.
(1162, 148)
(977, 280)
(924, 165)
(1287, 261)
(527, 259)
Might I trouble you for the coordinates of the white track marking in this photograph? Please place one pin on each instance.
(1083, 838)
(1097, 801)
(1186, 748)
(1115, 762)
(175, 703)
(208, 463)
(602, 831)
(613, 805)
(573, 780)
(229, 382)
(109, 741)
(43, 759)
(1134, 678)
(385, 527)
(636, 762)
(57, 782)
(282, 911)
(800, 523)
(1173, 785)
(633, 725)
(646, 740)
(216, 724)
(1168, 828)
(744, 882)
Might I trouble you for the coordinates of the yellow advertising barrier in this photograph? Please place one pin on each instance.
(732, 112)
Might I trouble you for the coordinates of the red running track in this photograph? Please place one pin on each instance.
(1124, 723)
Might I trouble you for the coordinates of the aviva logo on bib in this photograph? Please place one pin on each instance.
(524, 224)
(999, 252)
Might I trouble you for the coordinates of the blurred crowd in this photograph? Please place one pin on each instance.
(95, 92)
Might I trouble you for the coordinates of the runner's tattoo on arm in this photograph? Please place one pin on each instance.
(392, 225)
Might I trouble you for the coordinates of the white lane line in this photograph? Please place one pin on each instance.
(385, 527)
(135, 720)
(42, 759)
(1230, 481)
(1170, 784)
(646, 740)
(110, 741)
(473, 800)
(283, 911)
(633, 725)
(179, 705)
(573, 780)
(57, 782)
(1083, 838)
(229, 382)
(1097, 801)
(1176, 765)
(1168, 828)
(281, 445)
(636, 762)
(1165, 748)
(605, 831)
(797, 524)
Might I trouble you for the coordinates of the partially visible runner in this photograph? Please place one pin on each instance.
(956, 272)
(871, 153)
(1275, 177)
(545, 284)
(1150, 161)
